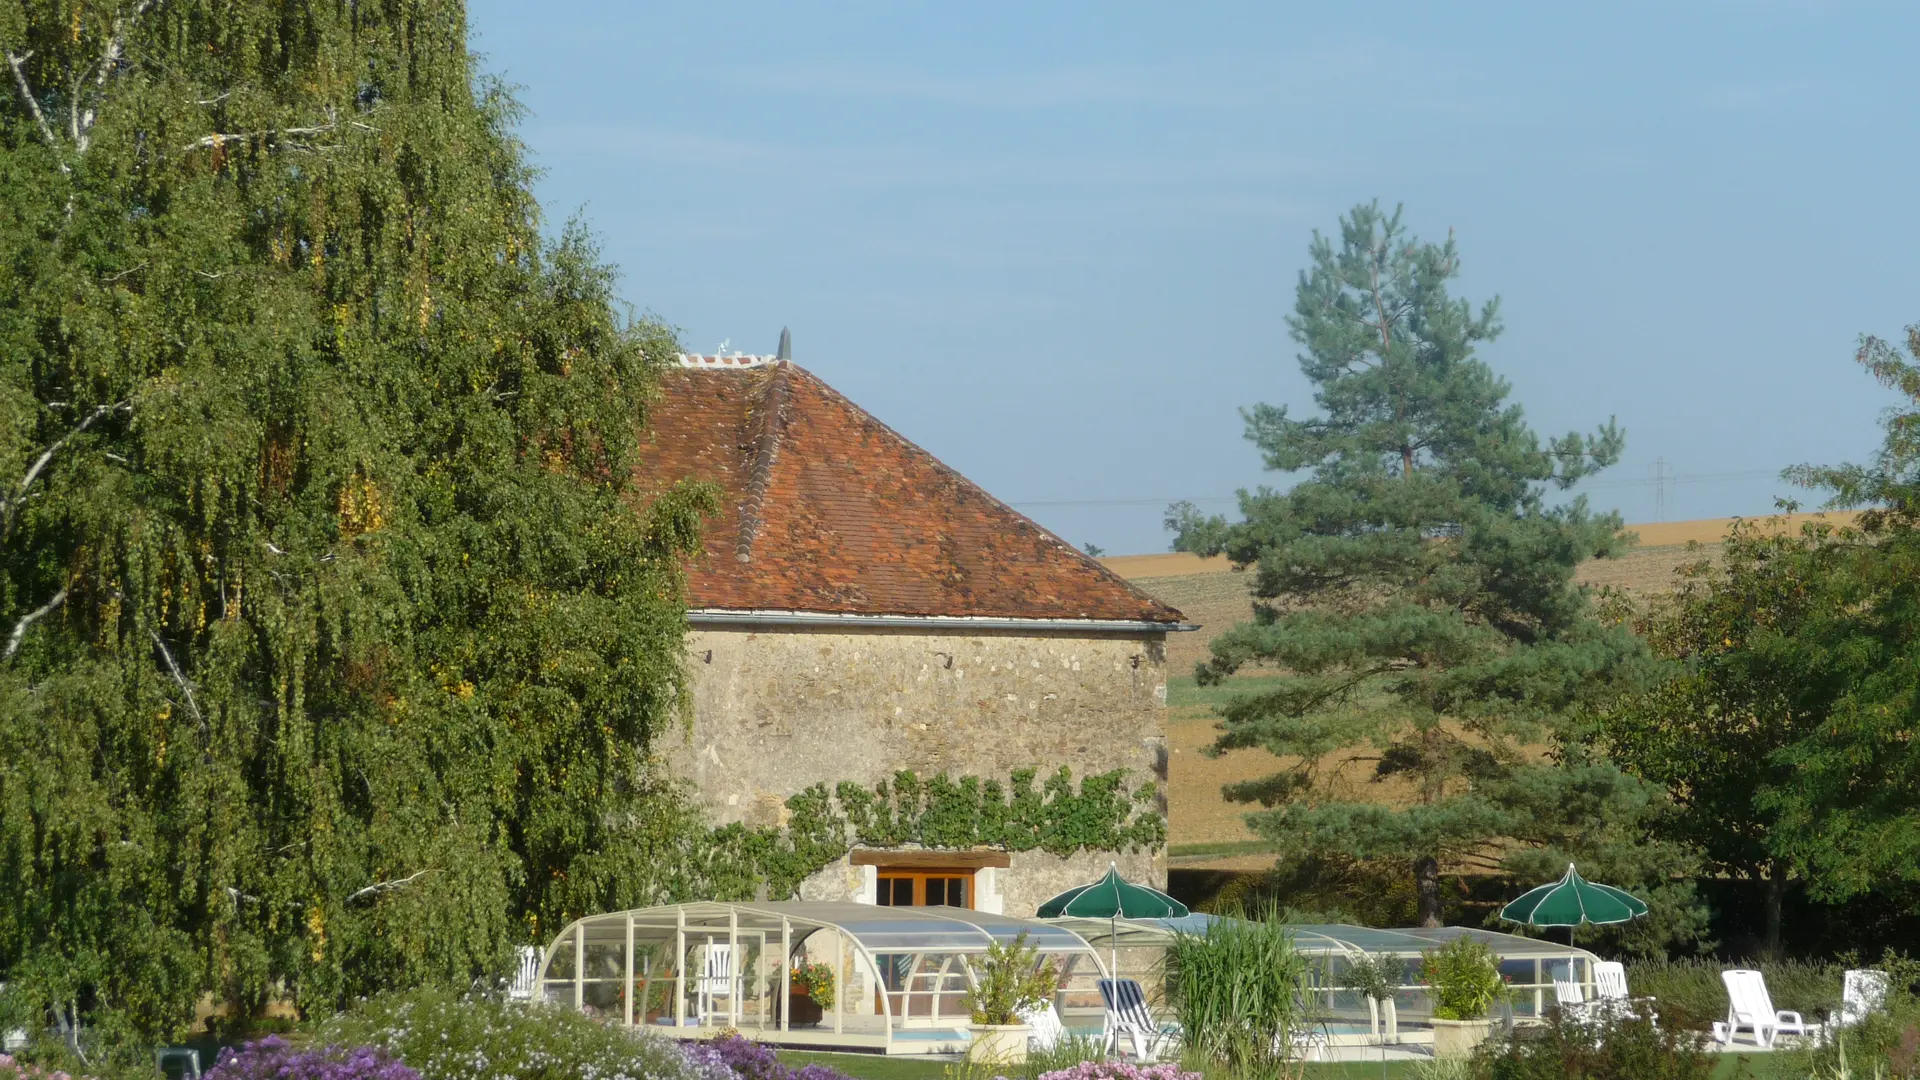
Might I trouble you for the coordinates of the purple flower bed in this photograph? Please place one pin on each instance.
(745, 1059)
(9, 1068)
(273, 1059)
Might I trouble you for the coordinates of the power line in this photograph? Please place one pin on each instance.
(1659, 481)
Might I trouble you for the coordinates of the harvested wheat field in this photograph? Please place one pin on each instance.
(1206, 831)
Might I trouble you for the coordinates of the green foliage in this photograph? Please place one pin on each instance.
(1463, 979)
(1374, 975)
(331, 639)
(1620, 1048)
(1237, 992)
(1009, 979)
(816, 981)
(1753, 678)
(445, 1037)
(1415, 590)
(941, 812)
(1885, 1046)
(1690, 993)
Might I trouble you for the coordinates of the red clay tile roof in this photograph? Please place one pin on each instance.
(826, 509)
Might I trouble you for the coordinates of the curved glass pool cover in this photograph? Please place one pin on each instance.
(1530, 966)
(899, 974)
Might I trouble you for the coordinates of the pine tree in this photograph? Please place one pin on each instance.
(331, 641)
(1414, 592)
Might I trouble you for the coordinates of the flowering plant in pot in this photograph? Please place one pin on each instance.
(1463, 979)
(809, 992)
(1008, 980)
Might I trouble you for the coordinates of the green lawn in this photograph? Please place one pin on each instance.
(877, 1067)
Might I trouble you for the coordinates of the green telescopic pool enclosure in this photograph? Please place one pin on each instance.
(900, 974)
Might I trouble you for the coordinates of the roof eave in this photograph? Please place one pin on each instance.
(703, 617)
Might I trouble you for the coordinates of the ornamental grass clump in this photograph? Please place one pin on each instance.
(273, 1058)
(444, 1037)
(1237, 992)
(1463, 979)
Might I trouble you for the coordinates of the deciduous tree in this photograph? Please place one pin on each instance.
(330, 641)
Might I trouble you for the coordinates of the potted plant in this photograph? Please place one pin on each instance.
(1463, 978)
(809, 993)
(1009, 979)
(1375, 976)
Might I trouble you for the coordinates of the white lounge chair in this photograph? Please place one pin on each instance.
(1128, 1014)
(1610, 989)
(1861, 993)
(1567, 995)
(1750, 1007)
(1047, 1028)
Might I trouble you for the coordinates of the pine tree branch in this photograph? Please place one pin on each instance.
(383, 886)
(27, 620)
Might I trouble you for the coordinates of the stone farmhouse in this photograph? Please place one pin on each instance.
(861, 608)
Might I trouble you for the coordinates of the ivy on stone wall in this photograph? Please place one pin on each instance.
(738, 862)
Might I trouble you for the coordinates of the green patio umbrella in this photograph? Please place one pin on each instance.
(1571, 901)
(1113, 898)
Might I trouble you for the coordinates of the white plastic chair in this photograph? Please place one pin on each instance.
(1127, 1014)
(1861, 992)
(1610, 988)
(526, 974)
(1047, 1028)
(1749, 1006)
(1567, 995)
(717, 979)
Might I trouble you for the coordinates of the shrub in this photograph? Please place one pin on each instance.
(1691, 994)
(11, 1069)
(1236, 991)
(1885, 1046)
(1617, 1048)
(273, 1058)
(449, 1038)
(1010, 979)
(1463, 978)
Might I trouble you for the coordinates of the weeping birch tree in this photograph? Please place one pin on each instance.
(330, 639)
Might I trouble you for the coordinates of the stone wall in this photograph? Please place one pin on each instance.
(776, 711)
(1017, 889)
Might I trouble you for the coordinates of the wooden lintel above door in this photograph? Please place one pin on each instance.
(917, 859)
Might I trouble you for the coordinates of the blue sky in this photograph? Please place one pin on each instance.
(1055, 243)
